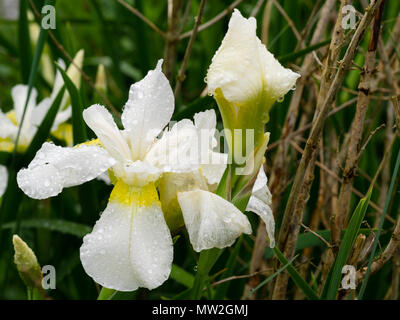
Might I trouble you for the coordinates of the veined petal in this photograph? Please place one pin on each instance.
(130, 245)
(55, 168)
(148, 109)
(235, 67)
(3, 179)
(260, 203)
(211, 221)
(101, 122)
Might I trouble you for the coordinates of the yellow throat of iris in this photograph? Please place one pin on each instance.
(131, 195)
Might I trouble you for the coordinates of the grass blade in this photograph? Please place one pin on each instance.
(79, 128)
(294, 55)
(347, 244)
(24, 43)
(181, 276)
(67, 227)
(272, 276)
(230, 267)
(296, 277)
(382, 219)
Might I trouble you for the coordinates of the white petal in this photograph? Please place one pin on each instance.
(105, 178)
(8, 129)
(54, 168)
(73, 73)
(205, 120)
(214, 170)
(101, 122)
(260, 203)
(177, 150)
(148, 109)
(278, 79)
(40, 111)
(139, 173)
(61, 117)
(19, 95)
(213, 164)
(58, 82)
(3, 179)
(243, 67)
(129, 247)
(211, 221)
(235, 67)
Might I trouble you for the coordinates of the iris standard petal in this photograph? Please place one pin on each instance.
(148, 109)
(178, 150)
(130, 245)
(101, 122)
(243, 68)
(235, 67)
(55, 168)
(211, 221)
(278, 80)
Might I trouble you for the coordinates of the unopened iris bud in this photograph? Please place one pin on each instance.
(27, 264)
(101, 83)
(73, 72)
(246, 79)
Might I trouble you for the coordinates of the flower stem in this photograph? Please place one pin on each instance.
(106, 294)
(206, 261)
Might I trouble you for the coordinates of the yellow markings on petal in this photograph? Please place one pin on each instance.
(12, 116)
(6, 145)
(112, 176)
(94, 142)
(64, 132)
(131, 195)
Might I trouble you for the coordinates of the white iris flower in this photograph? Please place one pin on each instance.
(130, 245)
(34, 115)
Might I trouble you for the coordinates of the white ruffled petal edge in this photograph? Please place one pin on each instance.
(55, 168)
(211, 221)
(260, 203)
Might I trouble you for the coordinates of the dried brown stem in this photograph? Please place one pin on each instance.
(181, 73)
(138, 14)
(214, 20)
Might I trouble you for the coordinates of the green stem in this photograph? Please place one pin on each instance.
(207, 260)
(106, 294)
